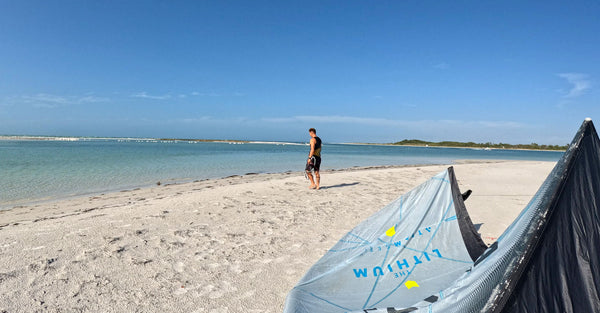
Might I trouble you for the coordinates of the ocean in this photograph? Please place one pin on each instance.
(40, 170)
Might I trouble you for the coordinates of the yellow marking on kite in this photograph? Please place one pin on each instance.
(390, 232)
(410, 284)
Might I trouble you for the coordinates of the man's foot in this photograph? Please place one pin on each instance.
(312, 187)
(318, 187)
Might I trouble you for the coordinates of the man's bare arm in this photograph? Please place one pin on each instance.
(313, 141)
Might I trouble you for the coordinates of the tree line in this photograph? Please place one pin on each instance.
(531, 146)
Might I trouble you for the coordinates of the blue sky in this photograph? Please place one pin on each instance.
(358, 71)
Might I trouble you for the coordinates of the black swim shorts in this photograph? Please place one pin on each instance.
(315, 164)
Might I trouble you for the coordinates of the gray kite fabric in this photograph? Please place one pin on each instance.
(408, 251)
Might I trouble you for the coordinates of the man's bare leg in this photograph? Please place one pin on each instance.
(312, 181)
(318, 178)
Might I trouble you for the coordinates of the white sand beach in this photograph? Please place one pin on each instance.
(237, 244)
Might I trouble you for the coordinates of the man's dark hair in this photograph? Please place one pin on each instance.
(312, 130)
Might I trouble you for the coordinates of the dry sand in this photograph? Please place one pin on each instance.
(237, 244)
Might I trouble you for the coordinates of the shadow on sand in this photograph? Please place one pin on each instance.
(340, 185)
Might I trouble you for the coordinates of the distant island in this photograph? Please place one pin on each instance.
(456, 144)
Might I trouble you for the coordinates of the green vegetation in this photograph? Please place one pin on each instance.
(531, 146)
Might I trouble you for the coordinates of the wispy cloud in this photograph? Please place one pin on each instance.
(44, 100)
(205, 94)
(145, 95)
(580, 83)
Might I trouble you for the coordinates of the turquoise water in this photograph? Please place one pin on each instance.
(39, 170)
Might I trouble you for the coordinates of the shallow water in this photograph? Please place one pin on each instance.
(40, 170)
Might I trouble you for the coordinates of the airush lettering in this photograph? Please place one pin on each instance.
(397, 268)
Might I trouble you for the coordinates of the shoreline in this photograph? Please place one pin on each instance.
(58, 198)
(218, 245)
(141, 139)
(231, 141)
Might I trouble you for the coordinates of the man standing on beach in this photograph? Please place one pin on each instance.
(314, 159)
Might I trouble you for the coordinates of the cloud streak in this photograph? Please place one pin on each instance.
(580, 83)
(44, 100)
(145, 95)
(205, 94)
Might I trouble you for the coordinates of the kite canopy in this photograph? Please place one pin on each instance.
(547, 260)
(406, 252)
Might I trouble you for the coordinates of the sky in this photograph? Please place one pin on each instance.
(357, 71)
